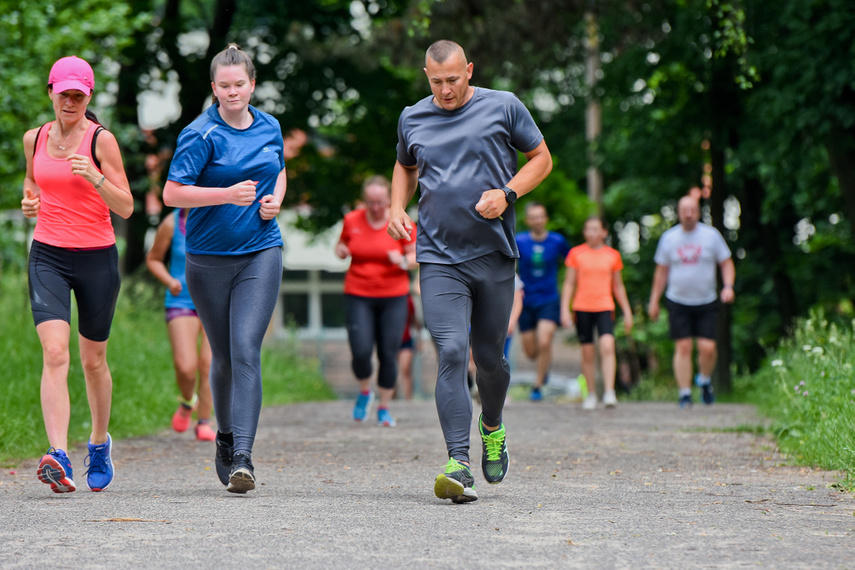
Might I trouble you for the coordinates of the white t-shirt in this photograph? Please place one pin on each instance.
(691, 258)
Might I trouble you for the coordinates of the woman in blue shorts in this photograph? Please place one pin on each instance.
(191, 351)
(230, 170)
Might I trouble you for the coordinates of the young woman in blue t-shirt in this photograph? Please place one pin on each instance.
(229, 169)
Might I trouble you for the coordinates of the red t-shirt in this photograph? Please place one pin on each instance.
(595, 270)
(371, 274)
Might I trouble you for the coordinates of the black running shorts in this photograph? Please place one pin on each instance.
(93, 275)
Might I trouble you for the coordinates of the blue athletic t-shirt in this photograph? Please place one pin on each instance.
(212, 154)
(460, 154)
(538, 266)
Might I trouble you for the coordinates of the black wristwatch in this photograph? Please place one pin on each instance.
(510, 195)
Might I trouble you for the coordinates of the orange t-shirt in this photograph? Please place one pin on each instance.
(371, 274)
(72, 213)
(595, 269)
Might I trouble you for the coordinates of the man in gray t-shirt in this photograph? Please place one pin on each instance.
(686, 259)
(461, 145)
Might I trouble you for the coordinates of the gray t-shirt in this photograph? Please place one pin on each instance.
(692, 258)
(459, 155)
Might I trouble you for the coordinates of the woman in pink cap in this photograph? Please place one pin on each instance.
(75, 178)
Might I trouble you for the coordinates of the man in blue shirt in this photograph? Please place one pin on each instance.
(460, 145)
(541, 254)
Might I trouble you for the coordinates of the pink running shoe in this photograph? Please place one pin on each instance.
(205, 433)
(181, 418)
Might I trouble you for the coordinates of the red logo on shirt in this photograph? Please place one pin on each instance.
(689, 253)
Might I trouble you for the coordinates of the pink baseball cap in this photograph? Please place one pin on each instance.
(72, 73)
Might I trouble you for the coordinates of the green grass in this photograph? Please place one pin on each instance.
(139, 355)
(807, 389)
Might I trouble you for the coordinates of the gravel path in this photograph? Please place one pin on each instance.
(643, 486)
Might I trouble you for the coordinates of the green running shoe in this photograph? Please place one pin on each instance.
(494, 454)
(456, 483)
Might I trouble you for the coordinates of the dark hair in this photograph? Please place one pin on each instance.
(232, 55)
(441, 50)
(89, 114)
(600, 219)
(531, 205)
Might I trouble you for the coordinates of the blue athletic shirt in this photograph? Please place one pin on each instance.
(177, 264)
(460, 154)
(212, 154)
(538, 266)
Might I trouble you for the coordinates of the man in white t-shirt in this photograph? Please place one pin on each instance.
(686, 259)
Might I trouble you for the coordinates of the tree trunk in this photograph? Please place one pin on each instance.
(721, 376)
(133, 60)
(593, 112)
(841, 152)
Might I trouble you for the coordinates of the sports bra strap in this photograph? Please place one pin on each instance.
(95, 160)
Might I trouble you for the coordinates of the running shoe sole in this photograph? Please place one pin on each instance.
(52, 473)
(241, 481)
(450, 488)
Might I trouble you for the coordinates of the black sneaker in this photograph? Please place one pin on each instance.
(242, 477)
(686, 401)
(224, 458)
(707, 395)
(494, 454)
(456, 483)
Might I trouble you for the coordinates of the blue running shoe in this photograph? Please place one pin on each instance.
(55, 470)
(363, 407)
(707, 395)
(384, 418)
(536, 396)
(100, 472)
(686, 401)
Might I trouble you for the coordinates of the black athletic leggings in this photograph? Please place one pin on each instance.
(380, 321)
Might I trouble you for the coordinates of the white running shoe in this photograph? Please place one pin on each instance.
(609, 399)
(590, 402)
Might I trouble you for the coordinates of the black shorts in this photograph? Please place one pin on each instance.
(93, 275)
(585, 323)
(692, 321)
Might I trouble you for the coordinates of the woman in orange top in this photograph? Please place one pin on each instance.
(591, 284)
(74, 179)
(376, 287)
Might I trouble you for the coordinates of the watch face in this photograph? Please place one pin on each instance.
(510, 196)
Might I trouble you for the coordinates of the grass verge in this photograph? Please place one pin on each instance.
(140, 358)
(807, 389)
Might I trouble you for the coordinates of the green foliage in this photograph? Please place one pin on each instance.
(807, 387)
(34, 34)
(144, 392)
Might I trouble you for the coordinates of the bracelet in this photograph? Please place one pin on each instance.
(101, 183)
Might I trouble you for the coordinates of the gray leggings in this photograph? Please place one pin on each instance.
(380, 321)
(235, 297)
(480, 292)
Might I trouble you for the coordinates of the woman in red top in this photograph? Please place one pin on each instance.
(74, 179)
(376, 287)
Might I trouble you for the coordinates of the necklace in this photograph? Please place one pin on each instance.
(65, 141)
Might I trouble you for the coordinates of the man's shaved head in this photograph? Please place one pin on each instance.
(441, 50)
